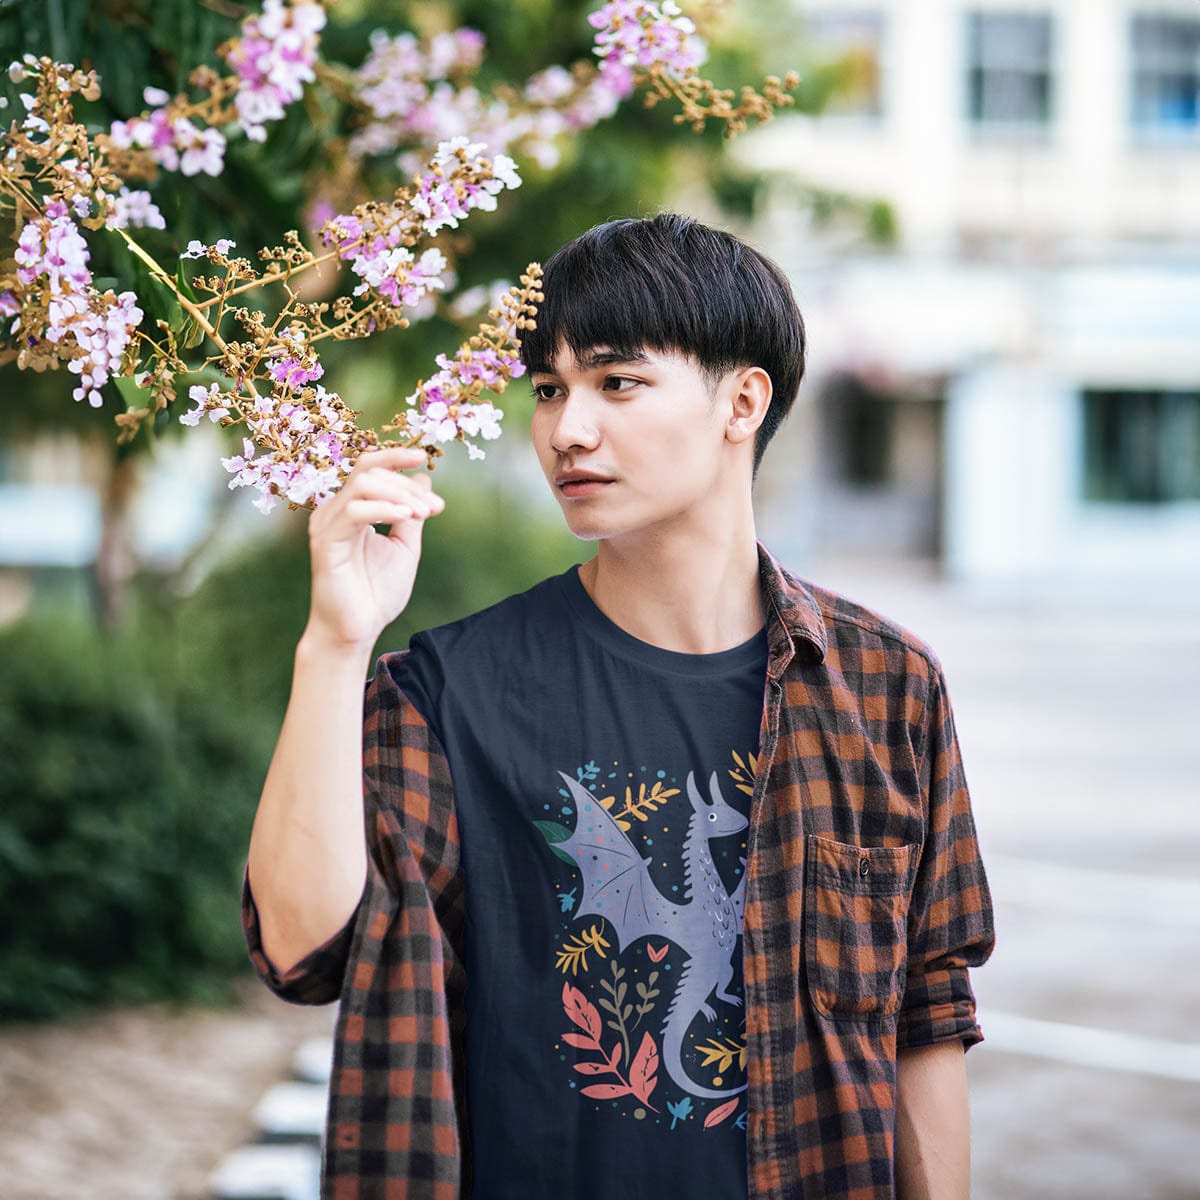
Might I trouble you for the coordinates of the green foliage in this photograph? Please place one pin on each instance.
(130, 767)
(125, 794)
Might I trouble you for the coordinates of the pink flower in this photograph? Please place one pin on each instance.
(639, 33)
(274, 58)
(134, 209)
(175, 144)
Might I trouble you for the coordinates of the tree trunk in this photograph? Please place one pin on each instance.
(116, 560)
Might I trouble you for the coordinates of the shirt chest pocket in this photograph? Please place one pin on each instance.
(855, 925)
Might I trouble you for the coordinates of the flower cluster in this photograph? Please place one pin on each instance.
(134, 210)
(638, 34)
(654, 44)
(375, 239)
(419, 93)
(273, 59)
(61, 317)
(448, 406)
(62, 179)
(311, 440)
(174, 142)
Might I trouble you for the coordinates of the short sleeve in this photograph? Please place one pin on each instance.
(406, 817)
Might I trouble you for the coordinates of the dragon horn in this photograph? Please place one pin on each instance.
(693, 793)
(714, 790)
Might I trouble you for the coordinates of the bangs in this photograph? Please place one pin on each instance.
(622, 292)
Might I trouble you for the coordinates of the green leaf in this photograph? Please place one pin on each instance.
(184, 284)
(553, 832)
(134, 396)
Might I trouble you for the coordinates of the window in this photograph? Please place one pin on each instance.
(850, 46)
(1142, 447)
(863, 423)
(1166, 78)
(1009, 72)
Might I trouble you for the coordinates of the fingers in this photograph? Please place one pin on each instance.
(379, 475)
(380, 512)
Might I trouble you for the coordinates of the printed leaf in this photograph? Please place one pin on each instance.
(581, 1040)
(606, 1091)
(644, 1069)
(581, 1011)
(553, 832)
(614, 1059)
(587, 1068)
(722, 1112)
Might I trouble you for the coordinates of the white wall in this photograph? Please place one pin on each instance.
(1086, 185)
(1013, 506)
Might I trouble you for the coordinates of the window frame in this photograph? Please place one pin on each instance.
(985, 130)
(1156, 134)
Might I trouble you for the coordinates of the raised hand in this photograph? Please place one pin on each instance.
(361, 579)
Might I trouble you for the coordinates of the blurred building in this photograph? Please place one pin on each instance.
(1013, 388)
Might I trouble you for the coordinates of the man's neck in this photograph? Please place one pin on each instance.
(693, 591)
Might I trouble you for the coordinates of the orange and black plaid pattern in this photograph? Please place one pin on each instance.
(865, 904)
(397, 1120)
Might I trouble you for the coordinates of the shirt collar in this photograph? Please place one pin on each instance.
(792, 612)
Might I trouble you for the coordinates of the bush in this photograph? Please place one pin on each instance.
(124, 808)
(130, 768)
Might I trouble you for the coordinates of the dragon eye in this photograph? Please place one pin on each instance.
(712, 816)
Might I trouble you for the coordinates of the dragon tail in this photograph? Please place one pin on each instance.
(684, 1005)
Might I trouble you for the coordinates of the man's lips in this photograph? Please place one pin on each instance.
(583, 487)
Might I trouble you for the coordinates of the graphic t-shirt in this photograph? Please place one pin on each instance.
(602, 787)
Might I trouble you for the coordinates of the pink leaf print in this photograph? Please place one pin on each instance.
(606, 1091)
(581, 1011)
(581, 1040)
(593, 1068)
(643, 1071)
(614, 1059)
(722, 1112)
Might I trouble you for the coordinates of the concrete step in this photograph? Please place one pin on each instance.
(266, 1172)
(292, 1112)
(313, 1062)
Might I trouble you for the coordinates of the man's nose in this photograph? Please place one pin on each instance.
(576, 424)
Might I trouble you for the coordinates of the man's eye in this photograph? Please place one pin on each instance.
(544, 391)
(619, 383)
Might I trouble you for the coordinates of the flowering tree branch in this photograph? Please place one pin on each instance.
(261, 366)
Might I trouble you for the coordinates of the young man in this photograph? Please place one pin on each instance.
(670, 881)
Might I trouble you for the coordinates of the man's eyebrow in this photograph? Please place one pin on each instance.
(606, 358)
(595, 358)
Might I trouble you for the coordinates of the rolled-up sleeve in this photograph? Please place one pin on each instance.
(317, 978)
(950, 923)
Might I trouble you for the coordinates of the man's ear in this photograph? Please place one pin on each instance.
(749, 398)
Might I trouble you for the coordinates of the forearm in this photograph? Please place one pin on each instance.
(307, 858)
(933, 1147)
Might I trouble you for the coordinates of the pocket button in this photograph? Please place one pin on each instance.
(864, 867)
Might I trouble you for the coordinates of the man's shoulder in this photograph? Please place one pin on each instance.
(489, 634)
(851, 625)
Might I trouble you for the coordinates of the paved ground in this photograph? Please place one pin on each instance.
(1080, 727)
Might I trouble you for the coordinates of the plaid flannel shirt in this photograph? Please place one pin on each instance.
(865, 904)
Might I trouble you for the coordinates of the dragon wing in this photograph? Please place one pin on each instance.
(616, 879)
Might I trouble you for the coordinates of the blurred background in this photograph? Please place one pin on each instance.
(990, 213)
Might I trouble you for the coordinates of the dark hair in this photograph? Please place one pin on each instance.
(671, 283)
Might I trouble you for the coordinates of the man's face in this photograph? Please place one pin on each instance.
(651, 429)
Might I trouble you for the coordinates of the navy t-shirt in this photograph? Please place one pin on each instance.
(602, 786)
